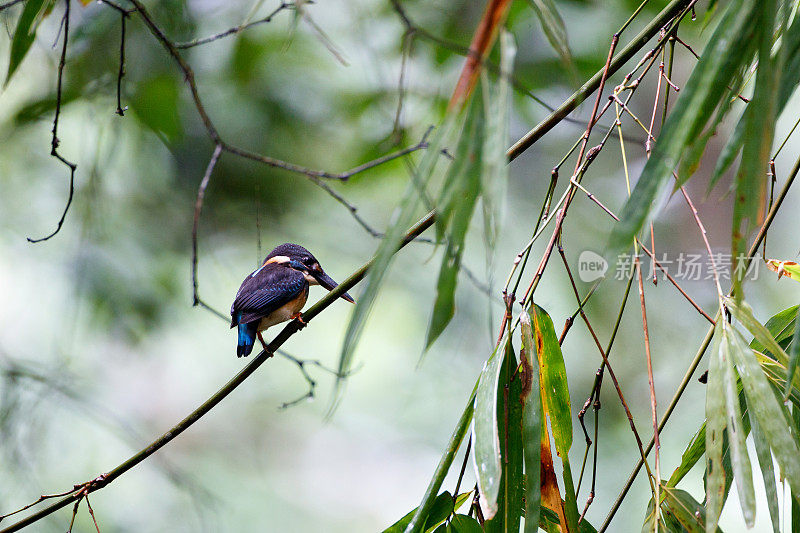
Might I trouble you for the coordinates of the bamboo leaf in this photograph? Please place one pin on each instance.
(693, 453)
(555, 401)
(790, 75)
(689, 513)
(771, 415)
(721, 59)
(742, 312)
(488, 466)
(442, 508)
(553, 27)
(531, 427)
(751, 180)
(457, 204)
(494, 174)
(509, 415)
(25, 32)
(404, 217)
(464, 524)
(794, 355)
(780, 327)
(767, 473)
(742, 471)
(715, 428)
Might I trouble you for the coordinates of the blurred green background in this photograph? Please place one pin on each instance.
(101, 349)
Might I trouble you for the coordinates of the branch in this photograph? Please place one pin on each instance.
(235, 29)
(290, 329)
(703, 346)
(590, 86)
(54, 142)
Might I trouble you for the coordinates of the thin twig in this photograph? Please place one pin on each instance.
(54, 142)
(703, 346)
(235, 29)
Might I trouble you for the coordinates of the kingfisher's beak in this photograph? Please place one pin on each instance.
(327, 282)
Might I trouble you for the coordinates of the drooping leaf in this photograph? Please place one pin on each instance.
(790, 75)
(715, 428)
(494, 174)
(531, 426)
(385, 252)
(744, 314)
(553, 27)
(25, 32)
(770, 413)
(456, 205)
(721, 59)
(551, 496)
(751, 180)
(555, 401)
(742, 471)
(509, 415)
(488, 464)
(767, 473)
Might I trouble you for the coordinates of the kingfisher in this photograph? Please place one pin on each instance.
(276, 292)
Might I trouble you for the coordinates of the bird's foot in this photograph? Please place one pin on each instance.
(263, 342)
(299, 318)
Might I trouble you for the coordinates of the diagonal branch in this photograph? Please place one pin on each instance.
(290, 329)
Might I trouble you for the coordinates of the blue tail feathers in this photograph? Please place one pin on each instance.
(247, 337)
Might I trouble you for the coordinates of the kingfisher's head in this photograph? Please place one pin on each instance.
(296, 257)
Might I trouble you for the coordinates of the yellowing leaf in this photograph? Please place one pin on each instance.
(790, 269)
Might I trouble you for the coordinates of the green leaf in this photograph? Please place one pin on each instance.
(441, 509)
(509, 415)
(751, 180)
(487, 457)
(742, 312)
(418, 520)
(380, 263)
(553, 27)
(555, 400)
(742, 471)
(463, 184)
(771, 415)
(464, 524)
(767, 472)
(794, 355)
(693, 453)
(531, 426)
(790, 75)
(688, 512)
(721, 59)
(780, 327)
(715, 428)
(494, 175)
(25, 33)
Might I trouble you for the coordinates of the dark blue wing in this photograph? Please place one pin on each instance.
(265, 290)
